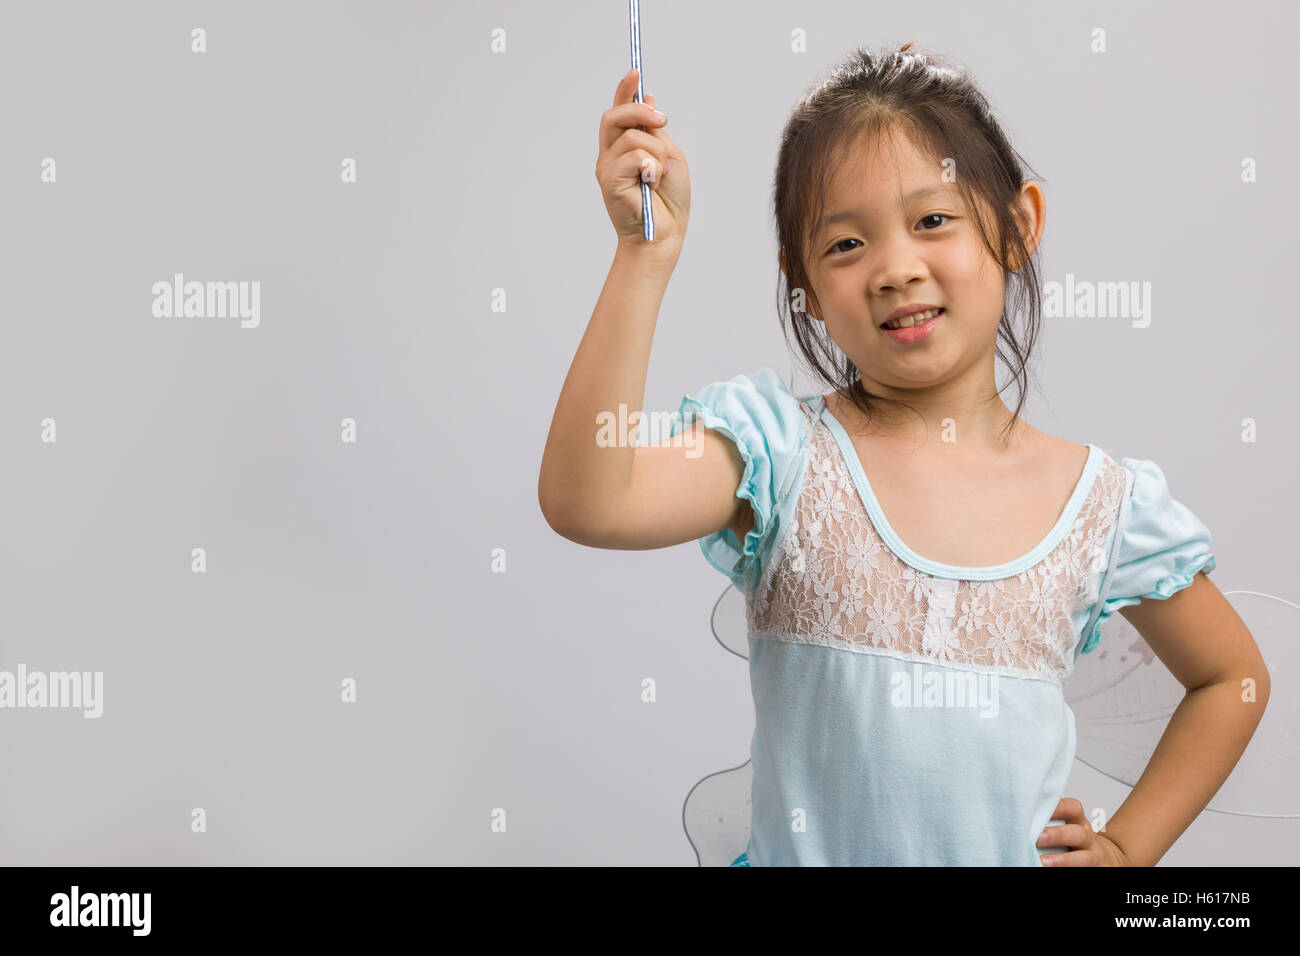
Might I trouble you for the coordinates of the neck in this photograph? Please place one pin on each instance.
(966, 411)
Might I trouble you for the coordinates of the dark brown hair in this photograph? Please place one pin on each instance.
(868, 97)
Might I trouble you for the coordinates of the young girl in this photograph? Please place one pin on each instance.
(920, 565)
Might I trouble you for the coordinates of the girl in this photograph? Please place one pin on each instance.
(920, 565)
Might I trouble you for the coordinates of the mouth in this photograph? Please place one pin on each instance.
(910, 321)
(914, 328)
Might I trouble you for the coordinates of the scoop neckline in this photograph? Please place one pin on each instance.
(905, 554)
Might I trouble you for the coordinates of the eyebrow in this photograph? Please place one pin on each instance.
(844, 214)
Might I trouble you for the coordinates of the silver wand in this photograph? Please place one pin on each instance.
(647, 208)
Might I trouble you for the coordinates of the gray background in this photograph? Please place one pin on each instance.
(326, 560)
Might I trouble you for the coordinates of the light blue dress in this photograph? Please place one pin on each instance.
(909, 712)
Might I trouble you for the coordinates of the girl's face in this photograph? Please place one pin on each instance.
(895, 234)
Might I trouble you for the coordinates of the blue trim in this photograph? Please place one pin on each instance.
(1054, 537)
(746, 491)
(1165, 588)
(1092, 630)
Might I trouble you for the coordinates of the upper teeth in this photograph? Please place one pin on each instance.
(907, 321)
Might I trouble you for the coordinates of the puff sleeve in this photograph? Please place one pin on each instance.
(758, 414)
(1162, 546)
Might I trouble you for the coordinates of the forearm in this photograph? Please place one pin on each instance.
(1205, 737)
(580, 478)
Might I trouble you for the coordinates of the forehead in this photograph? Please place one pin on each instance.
(882, 169)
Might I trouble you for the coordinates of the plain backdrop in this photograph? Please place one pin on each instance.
(477, 691)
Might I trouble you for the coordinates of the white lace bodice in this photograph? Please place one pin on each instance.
(833, 581)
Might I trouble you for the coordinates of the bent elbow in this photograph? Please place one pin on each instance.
(567, 518)
(553, 511)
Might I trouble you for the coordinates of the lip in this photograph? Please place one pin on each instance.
(908, 310)
(916, 333)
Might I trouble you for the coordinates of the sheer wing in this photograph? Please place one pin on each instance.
(1123, 696)
(716, 812)
(728, 622)
(716, 815)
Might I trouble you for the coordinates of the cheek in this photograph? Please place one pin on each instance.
(963, 266)
(974, 278)
(844, 289)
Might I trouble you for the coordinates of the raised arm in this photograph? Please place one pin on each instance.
(623, 496)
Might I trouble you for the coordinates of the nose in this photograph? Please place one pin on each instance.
(898, 263)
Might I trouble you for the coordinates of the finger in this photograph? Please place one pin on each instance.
(625, 92)
(635, 140)
(651, 170)
(1073, 858)
(1070, 834)
(1069, 808)
(660, 132)
(631, 163)
(672, 151)
(615, 120)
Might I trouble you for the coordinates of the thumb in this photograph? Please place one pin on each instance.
(650, 99)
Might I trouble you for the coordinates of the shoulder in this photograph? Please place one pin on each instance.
(764, 382)
(1053, 461)
(1159, 546)
(757, 401)
(1061, 459)
(1145, 485)
(1137, 492)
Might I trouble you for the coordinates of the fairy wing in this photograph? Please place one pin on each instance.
(1123, 696)
(716, 812)
(730, 628)
(716, 815)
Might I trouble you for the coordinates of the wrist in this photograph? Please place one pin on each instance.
(657, 258)
(1117, 855)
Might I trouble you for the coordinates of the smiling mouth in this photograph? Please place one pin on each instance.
(916, 318)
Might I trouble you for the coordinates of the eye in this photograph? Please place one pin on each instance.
(934, 215)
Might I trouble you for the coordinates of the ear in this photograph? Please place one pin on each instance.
(1031, 212)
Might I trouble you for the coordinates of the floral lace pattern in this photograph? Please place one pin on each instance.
(833, 581)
